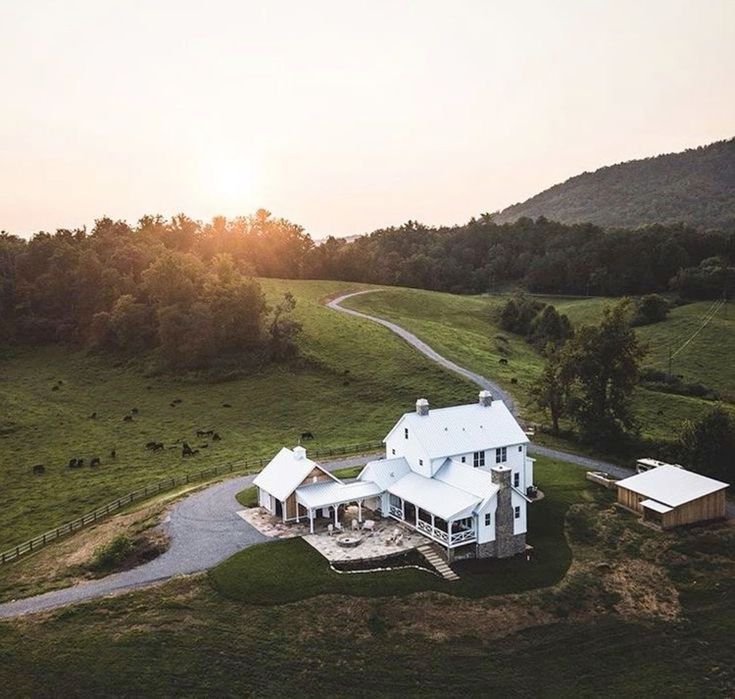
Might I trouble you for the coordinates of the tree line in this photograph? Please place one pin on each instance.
(181, 288)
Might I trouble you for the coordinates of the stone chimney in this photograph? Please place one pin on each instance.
(506, 542)
(422, 406)
(299, 453)
(486, 398)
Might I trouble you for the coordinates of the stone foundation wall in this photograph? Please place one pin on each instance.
(510, 546)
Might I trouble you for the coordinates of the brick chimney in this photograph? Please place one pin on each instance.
(299, 453)
(506, 542)
(485, 398)
(422, 406)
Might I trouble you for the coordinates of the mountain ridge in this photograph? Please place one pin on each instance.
(695, 186)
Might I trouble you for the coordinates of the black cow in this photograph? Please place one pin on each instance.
(186, 450)
(514, 380)
(39, 469)
(134, 411)
(94, 461)
(306, 435)
(216, 437)
(226, 405)
(93, 416)
(503, 360)
(128, 418)
(205, 433)
(113, 453)
(72, 463)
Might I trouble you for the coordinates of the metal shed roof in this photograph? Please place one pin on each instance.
(671, 485)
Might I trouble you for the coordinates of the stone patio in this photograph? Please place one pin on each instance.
(373, 544)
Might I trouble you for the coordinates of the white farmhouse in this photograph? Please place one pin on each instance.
(460, 476)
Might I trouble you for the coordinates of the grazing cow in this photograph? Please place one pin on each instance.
(306, 435)
(134, 411)
(226, 405)
(177, 400)
(205, 433)
(345, 383)
(173, 405)
(660, 412)
(514, 380)
(128, 418)
(186, 450)
(54, 388)
(39, 469)
(503, 360)
(113, 454)
(216, 437)
(94, 461)
(93, 416)
(72, 463)
(204, 446)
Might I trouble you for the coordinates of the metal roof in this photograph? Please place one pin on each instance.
(656, 506)
(671, 485)
(463, 429)
(285, 472)
(434, 496)
(326, 493)
(384, 471)
(471, 480)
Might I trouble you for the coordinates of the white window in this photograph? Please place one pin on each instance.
(501, 455)
(488, 519)
(517, 512)
(478, 459)
(405, 432)
(516, 479)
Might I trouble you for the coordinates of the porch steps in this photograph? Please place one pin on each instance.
(437, 562)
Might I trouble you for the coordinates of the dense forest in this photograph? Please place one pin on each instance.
(696, 187)
(188, 290)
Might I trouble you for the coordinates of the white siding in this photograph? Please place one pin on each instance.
(529, 472)
(265, 500)
(397, 445)
(486, 534)
(519, 525)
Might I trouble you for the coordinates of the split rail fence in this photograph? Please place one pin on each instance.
(163, 485)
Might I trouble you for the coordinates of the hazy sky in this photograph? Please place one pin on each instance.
(343, 116)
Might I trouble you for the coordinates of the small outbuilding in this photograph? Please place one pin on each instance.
(671, 496)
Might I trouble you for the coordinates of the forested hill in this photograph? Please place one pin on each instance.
(696, 187)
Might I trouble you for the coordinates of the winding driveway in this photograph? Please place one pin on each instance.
(204, 530)
(481, 381)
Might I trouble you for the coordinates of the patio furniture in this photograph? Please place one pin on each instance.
(330, 529)
(368, 525)
(355, 525)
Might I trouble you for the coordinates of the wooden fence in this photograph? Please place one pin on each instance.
(86, 520)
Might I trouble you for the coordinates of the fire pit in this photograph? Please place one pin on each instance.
(348, 542)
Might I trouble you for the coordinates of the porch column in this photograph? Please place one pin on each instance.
(336, 516)
(417, 516)
(311, 520)
(403, 509)
(359, 511)
(433, 526)
(283, 507)
(449, 538)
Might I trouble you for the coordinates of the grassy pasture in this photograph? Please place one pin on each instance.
(354, 379)
(463, 329)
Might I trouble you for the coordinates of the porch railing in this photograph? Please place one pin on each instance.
(466, 535)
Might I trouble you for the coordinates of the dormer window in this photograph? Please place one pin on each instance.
(405, 432)
(501, 455)
(478, 459)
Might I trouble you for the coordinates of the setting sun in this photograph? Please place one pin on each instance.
(231, 183)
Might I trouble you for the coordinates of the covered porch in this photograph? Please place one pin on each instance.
(455, 531)
(320, 498)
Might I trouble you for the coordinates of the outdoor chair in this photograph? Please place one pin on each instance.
(355, 525)
(330, 529)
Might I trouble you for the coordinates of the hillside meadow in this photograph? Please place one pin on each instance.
(352, 380)
(463, 328)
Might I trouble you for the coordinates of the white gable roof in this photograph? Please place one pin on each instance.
(384, 471)
(285, 473)
(463, 429)
(671, 485)
(436, 497)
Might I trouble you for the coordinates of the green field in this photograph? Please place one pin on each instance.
(352, 381)
(463, 328)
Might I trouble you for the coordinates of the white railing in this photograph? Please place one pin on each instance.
(467, 535)
(396, 512)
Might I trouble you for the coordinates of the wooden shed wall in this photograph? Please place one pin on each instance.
(629, 499)
(702, 509)
(291, 500)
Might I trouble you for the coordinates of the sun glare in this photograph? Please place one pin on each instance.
(231, 183)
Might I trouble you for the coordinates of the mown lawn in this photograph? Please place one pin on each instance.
(289, 570)
(353, 380)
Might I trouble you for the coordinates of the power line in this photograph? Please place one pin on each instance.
(711, 313)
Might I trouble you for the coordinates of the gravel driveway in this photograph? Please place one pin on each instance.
(204, 530)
